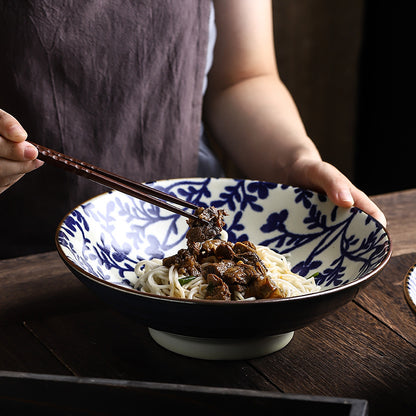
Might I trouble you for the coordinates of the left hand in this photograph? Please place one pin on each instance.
(324, 177)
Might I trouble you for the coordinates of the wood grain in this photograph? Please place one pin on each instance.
(349, 354)
(117, 347)
(384, 298)
(399, 209)
(40, 285)
(21, 351)
(364, 350)
(52, 324)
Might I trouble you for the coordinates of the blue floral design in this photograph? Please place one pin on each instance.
(108, 235)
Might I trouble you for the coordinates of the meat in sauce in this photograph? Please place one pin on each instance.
(227, 267)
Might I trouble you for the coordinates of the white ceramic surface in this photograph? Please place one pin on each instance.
(102, 240)
(410, 287)
(221, 348)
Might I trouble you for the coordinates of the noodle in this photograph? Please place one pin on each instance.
(157, 279)
(278, 270)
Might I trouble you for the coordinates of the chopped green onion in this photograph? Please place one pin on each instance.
(185, 280)
(313, 275)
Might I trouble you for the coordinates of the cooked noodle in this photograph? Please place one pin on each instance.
(278, 269)
(157, 279)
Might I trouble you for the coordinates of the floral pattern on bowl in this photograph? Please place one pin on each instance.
(109, 234)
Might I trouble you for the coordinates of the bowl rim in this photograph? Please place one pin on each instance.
(136, 292)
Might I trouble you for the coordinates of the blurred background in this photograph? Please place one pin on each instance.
(336, 58)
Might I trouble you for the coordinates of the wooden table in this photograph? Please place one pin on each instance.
(51, 324)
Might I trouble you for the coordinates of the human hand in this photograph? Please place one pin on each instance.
(324, 177)
(17, 157)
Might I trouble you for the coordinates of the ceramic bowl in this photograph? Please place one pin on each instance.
(102, 239)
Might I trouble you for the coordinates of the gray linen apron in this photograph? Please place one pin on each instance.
(113, 82)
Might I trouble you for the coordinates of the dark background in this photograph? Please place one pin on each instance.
(347, 63)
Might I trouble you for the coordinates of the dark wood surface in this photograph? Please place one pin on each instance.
(51, 324)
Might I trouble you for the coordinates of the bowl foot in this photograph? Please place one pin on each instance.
(220, 348)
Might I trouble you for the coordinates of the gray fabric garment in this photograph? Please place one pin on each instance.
(116, 83)
(208, 164)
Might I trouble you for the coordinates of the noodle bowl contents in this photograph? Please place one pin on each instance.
(215, 269)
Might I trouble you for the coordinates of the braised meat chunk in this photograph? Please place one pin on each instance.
(225, 251)
(240, 276)
(246, 252)
(216, 268)
(262, 288)
(227, 267)
(208, 226)
(217, 289)
(185, 262)
(217, 248)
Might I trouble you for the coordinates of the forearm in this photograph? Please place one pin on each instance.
(252, 115)
(258, 125)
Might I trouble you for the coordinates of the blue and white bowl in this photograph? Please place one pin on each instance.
(410, 287)
(102, 240)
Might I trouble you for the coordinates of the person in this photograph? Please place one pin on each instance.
(125, 86)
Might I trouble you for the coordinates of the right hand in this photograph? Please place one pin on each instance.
(17, 157)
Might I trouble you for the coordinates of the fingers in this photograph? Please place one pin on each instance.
(10, 128)
(11, 171)
(17, 151)
(362, 201)
(324, 177)
(347, 195)
(344, 194)
(12, 140)
(17, 157)
(334, 184)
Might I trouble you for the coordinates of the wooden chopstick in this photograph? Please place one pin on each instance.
(114, 181)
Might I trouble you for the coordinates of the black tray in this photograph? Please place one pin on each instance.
(27, 393)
